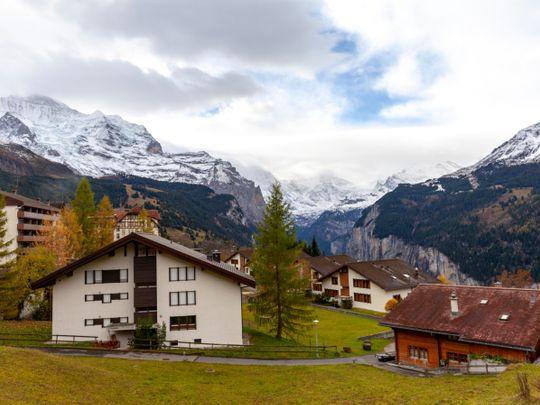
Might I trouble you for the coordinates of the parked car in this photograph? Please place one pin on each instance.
(384, 357)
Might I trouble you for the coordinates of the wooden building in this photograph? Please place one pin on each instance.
(128, 220)
(438, 325)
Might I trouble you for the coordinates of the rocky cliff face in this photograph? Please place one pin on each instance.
(364, 245)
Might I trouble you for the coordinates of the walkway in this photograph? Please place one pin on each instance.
(171, 357)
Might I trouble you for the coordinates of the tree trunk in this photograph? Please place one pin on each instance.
(279, 330)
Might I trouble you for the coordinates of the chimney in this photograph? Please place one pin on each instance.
(216, 256)
(497, 284)
(454, 303)
(416, 273)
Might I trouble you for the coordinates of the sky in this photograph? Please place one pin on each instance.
(356, 89)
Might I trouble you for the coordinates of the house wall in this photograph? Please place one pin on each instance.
(440, 346)
(218, 301)
(11, 230)
(241, 263)
(218, 309)
(70, 309)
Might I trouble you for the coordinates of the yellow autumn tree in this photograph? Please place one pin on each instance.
(15, 290)
(442, 278)
(391, 304)
(144, 222)
(105, 223)
(64, 238)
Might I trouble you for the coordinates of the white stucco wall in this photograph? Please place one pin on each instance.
(218, 309)
(70, 309)
(379, 297)
(11, 230)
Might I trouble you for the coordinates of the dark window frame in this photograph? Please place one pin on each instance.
(178, 299)
(364, 298)
(335, 280)
(99, 297)
(108, 275)
(176, 325)
(185, 272)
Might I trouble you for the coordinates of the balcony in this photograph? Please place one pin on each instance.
(30, 227)
(145, 297)
(144, 270)
(30, 238)
(139, 316)
(35, 215)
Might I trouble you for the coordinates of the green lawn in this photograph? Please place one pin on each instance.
(335, 329)
(33, 377)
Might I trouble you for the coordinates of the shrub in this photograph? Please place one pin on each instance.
(346, 303)
(391, 304)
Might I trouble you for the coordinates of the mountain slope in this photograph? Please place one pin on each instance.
(197, 211)
(469, 225)
(100, 145)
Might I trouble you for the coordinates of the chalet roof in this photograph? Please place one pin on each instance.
(121, 213)
(17, 199)
(158, 243)
(427, 308)
(326, 265)
(244, 251)
(391, 274)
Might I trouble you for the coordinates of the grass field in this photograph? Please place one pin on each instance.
(335, 329)
(33, 377)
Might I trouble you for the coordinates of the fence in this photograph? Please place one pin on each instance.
(28, 339)
(218, 347)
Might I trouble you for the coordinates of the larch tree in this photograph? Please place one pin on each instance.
(64, 238)
(105, 223)
(85, 209)
(280, 299)
(15, 290)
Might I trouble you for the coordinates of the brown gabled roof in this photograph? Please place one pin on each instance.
(120, 213)
(17, 199)
(427, 308)
(391, 274)
(245, 251)
(326, 265)
(158, 243)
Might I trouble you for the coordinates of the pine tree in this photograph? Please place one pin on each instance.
(105, 223)
(314, 248)
(280, 300)
(85, 210)
(5, 251)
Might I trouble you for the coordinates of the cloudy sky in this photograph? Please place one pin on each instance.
(359, 89)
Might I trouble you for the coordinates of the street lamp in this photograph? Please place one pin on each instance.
(315, 323)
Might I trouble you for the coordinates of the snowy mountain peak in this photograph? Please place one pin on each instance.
(99, 145)
(522, 148)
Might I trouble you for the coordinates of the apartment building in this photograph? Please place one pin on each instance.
(128, 220)
(26, 219)
(371, 284)
(141, 276)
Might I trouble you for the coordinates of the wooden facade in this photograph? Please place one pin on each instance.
(444, 349)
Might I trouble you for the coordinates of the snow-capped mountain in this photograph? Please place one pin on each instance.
(522, 148)
(415, 175)
(99, 145)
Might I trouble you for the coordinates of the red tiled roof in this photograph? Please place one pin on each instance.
(427, 308)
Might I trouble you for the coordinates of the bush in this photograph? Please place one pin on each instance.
(346, 303)
(148, 336)
(391, 304)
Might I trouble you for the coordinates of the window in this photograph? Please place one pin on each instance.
(106, 276)
(416, 352)
(334, 280)
(359, 283)
(181, 273)
(483, 302)
(106, 298)
(145, 251)
(183, 322)
(457, 357)
(317, 287)
(362, 298)
(504, 317)
(182, 298)
(234, 261)
(330, 293)
(106, 321)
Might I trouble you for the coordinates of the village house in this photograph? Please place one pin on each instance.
(128, 220)
(240, 258)
(321, 266)
(441, 324)
(26, 220)
(370, 284)
(141, 276)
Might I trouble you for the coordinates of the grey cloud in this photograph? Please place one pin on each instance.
(267, 32)
(125, 85)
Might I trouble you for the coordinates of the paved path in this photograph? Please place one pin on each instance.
(129, 355)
